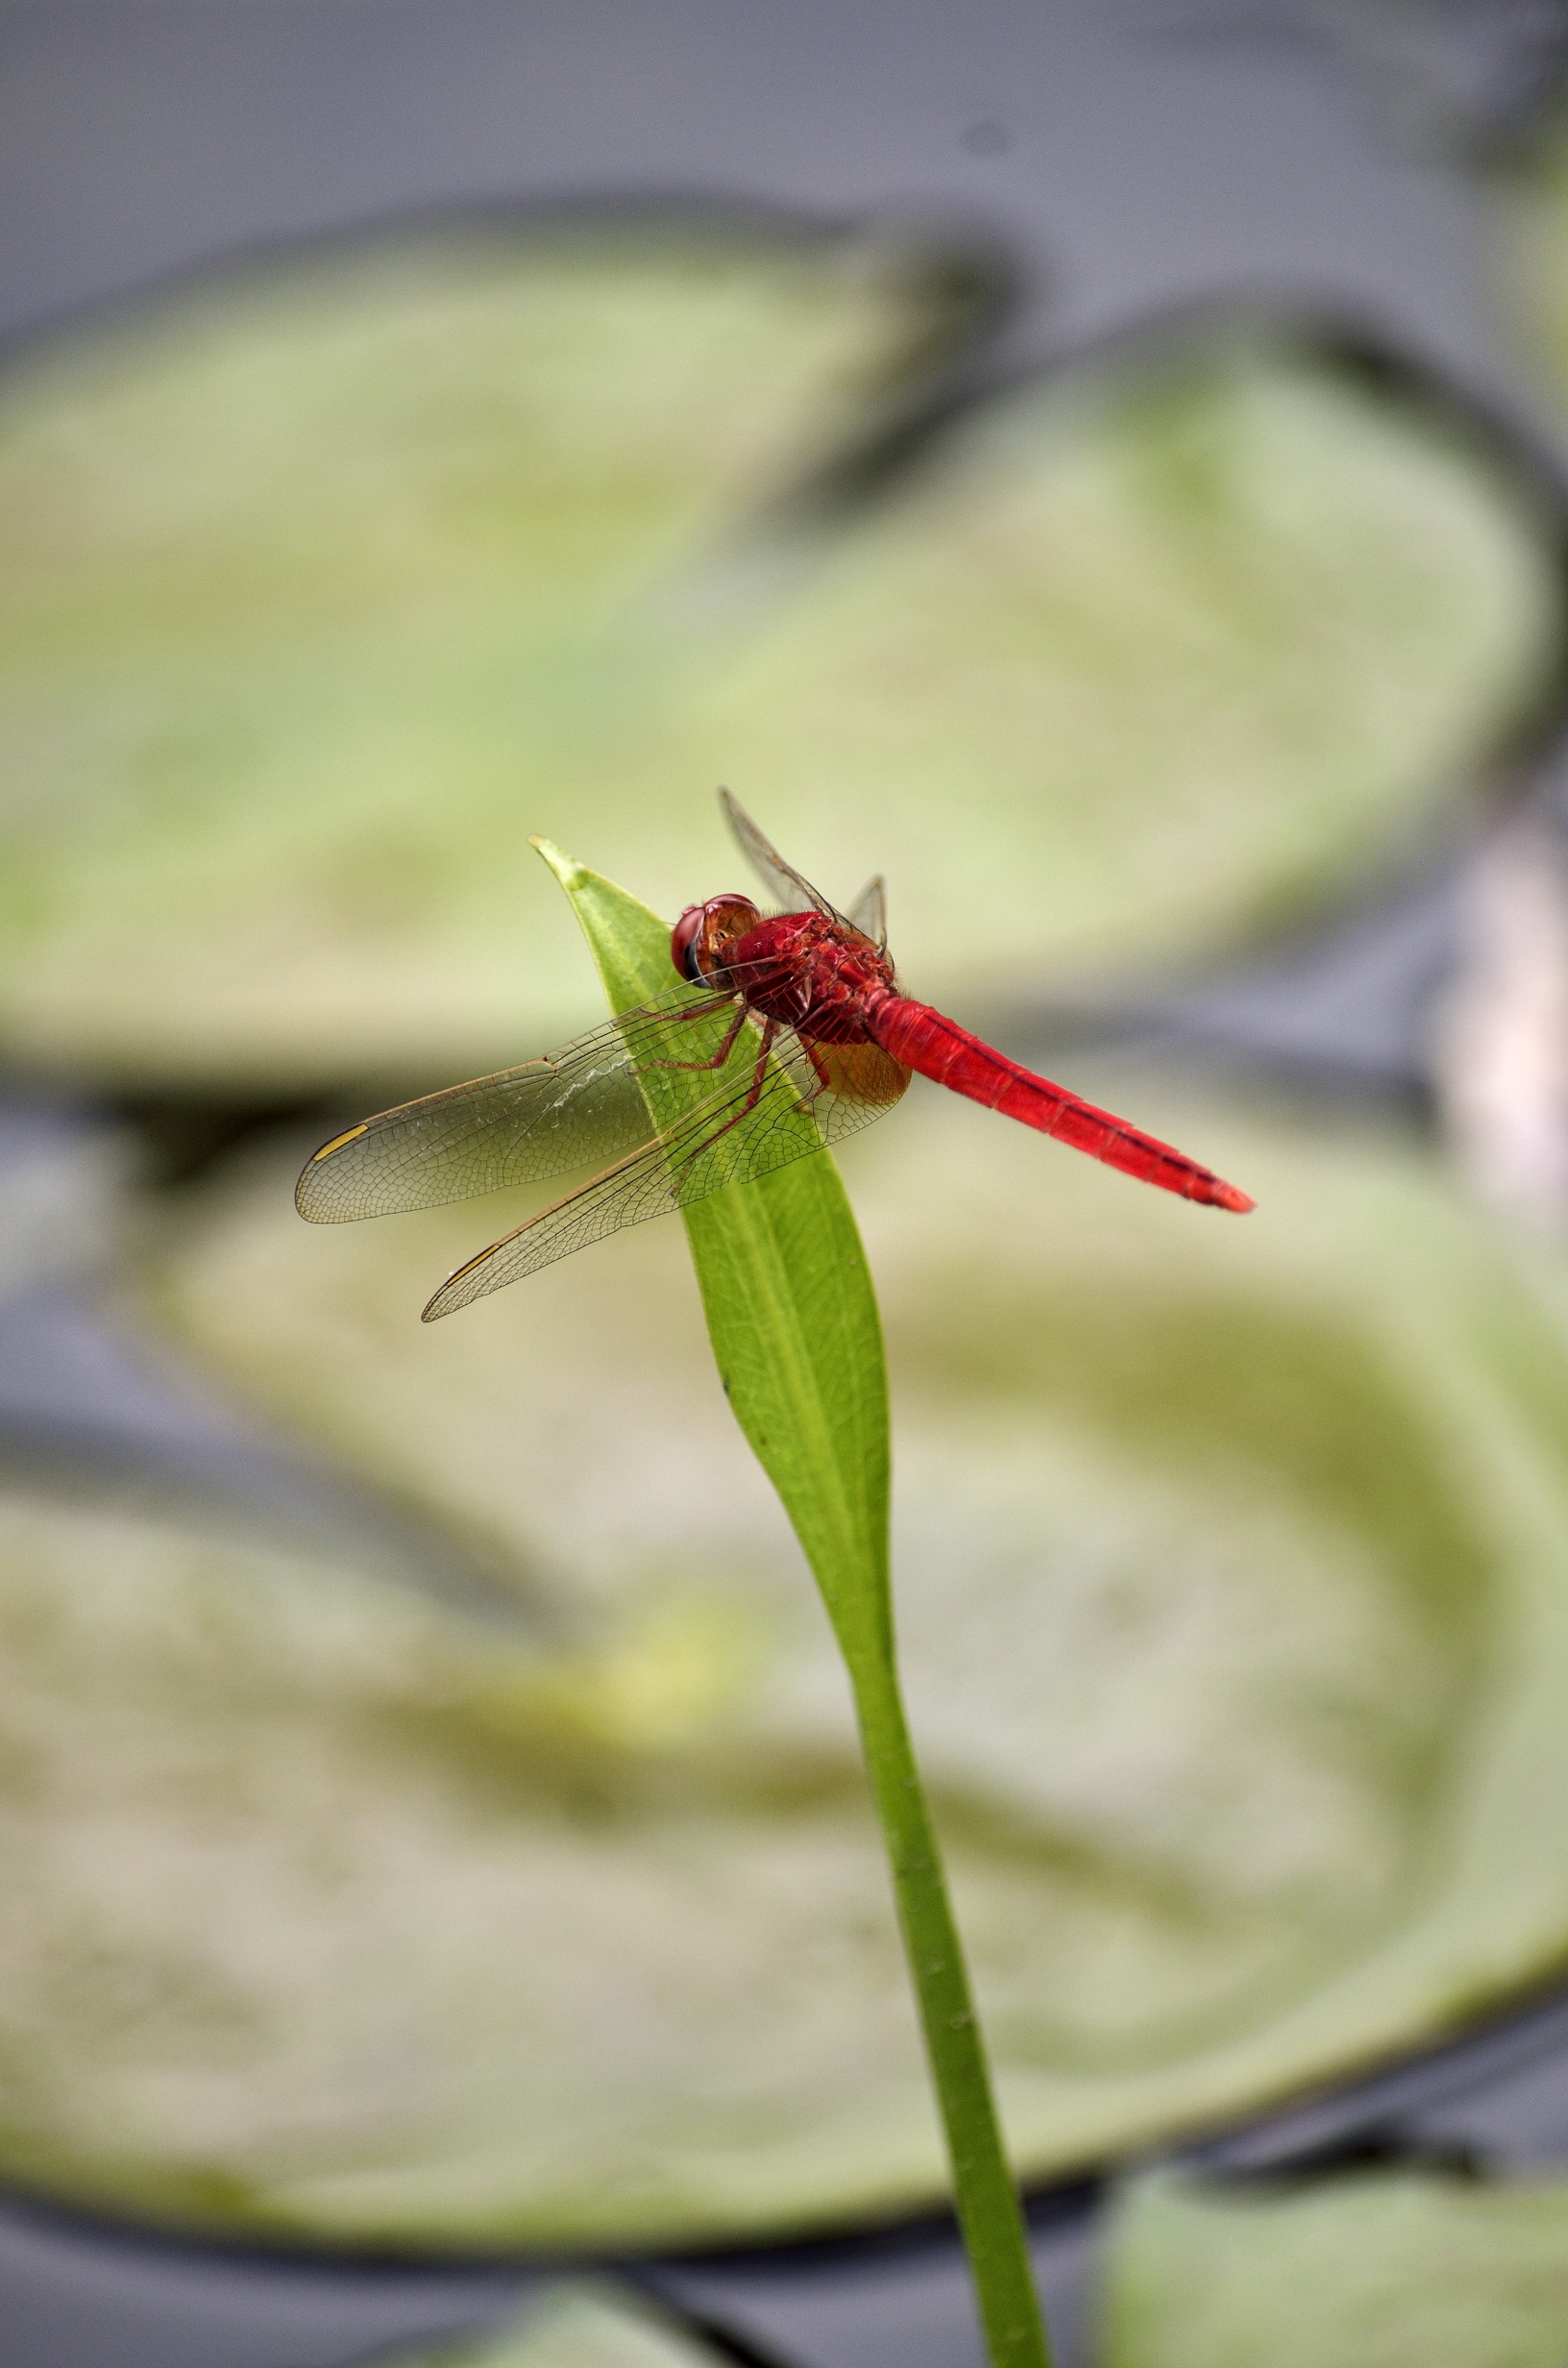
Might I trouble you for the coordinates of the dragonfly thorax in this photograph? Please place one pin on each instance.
(809, 972)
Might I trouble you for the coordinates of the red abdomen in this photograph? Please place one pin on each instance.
(939, 1048)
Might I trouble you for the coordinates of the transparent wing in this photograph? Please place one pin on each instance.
(807, 1095)
(869, 912)
(574, 1108)
(783, 882)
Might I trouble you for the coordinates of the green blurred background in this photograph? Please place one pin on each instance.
(461, 1842)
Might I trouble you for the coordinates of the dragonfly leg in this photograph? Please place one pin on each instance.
(725, 1048)
(769, 1029)
(809, 1101)
(686, 1011)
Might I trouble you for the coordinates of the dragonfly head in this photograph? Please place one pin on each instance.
(699, 938)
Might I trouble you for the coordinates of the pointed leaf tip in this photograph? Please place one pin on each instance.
(788, 1298)
(567, 869)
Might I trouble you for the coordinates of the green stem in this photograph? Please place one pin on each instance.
(983, 2188)
(792, 1317)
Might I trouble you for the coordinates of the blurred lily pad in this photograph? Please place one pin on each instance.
(324, 591)
(1232, 1569)
(575, 2327)
(1408, 2271)
(1135, 669)
(306, 582)
(326, 1915)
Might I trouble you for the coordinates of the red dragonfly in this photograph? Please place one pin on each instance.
(798, 1019)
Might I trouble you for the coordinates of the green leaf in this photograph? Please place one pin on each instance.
(1368, 2272)
(795, 1327)
(788, 1297)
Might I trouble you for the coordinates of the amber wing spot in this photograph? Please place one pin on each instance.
(861, 1073)
(338, 1140)
(433, 1310)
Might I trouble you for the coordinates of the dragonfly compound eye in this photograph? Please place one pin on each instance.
(699, 938)
(683, 942)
